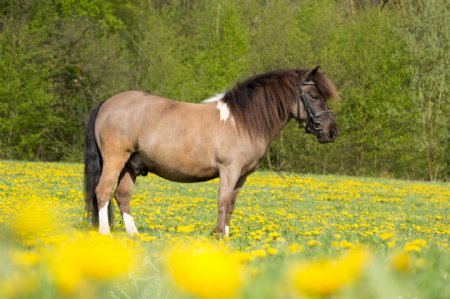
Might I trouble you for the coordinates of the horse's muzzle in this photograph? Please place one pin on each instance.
(326, 136)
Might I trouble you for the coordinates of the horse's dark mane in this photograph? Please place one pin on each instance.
(262, 104)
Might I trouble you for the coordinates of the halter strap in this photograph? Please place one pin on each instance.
(309, 111)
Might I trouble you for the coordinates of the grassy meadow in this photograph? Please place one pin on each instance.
(292, 236)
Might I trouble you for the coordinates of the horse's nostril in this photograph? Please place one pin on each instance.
(333, 134)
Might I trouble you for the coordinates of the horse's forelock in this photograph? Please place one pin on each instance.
(326, 87)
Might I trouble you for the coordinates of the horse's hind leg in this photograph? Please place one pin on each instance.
(122, 194)
(112, 166)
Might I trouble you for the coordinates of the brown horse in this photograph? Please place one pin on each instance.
(134, 133)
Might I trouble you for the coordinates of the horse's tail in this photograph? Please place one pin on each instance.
(93, 165)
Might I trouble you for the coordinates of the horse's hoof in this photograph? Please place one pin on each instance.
(216, 234)
(133, 233)
(226, 233)
(104, 231)
(221, 234)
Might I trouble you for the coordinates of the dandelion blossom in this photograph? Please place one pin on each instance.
(90, 258)
(327, 277)
(401, 261)
(205, 270)
(36, 220)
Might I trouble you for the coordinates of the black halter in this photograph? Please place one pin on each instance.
(313, 116)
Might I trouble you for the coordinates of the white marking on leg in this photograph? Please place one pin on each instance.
(224, 111)
(227, 231)
(103, 222)
(130, 227)
(215, 98)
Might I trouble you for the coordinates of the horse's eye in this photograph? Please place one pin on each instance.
(314, 96)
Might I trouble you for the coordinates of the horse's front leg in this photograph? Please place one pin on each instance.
(229, 188)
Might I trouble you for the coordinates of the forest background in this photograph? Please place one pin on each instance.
(389, 60)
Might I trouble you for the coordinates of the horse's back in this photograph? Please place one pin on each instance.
(118, 118)
(131, 102)
(176, 140)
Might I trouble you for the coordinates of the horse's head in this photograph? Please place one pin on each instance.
(310, 108)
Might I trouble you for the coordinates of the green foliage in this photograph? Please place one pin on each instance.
(427, 34)
(26, 98)
(99, 10)
(377, 111)
(389, 61)
(216, 41)
(360, 52)
(156, 51)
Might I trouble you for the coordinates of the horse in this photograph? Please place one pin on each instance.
(134, 133)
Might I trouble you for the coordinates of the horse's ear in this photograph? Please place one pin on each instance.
(310, 74)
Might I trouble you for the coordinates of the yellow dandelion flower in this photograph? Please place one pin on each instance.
(420, 242)
(24, 258)
(386, 236)
(90, 257)
(272, 251)
(409, 247)
(274, 235)
(400, 261)
(312, 243)
(295, 248)
(258, 253)
(392, 244)
(416, 245)
(324, 278)
(146, 238)
(35, 220)
(185, 228)
(346, 244)
(257, 237)
(205, 270)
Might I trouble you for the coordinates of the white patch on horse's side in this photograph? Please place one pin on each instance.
(224, 110)
(130, 227)
(222, 106)
(227, 231)
(103, 227)
(215, 98)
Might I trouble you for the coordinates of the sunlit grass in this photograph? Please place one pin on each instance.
(287, 229)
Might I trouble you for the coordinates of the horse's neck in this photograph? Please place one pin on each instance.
(278, 131)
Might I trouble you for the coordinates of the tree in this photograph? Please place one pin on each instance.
(426, 32)
(219, 47)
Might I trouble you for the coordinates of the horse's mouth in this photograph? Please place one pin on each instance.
(319, 135)
(322, 139)
(326, 138)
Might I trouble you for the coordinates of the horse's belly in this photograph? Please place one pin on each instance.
(177, 176)
(178, 170)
